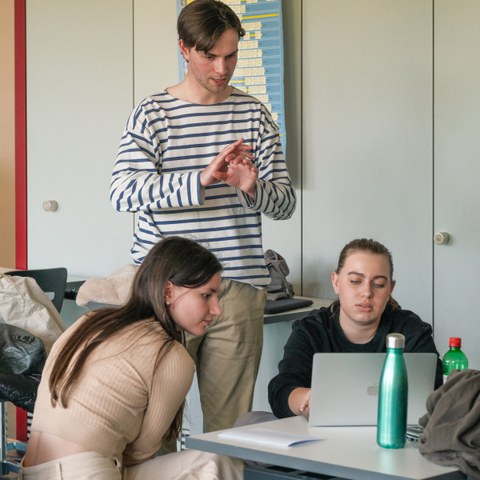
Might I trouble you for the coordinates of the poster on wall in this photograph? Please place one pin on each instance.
(260, 64)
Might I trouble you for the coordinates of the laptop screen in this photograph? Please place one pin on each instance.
(345, 387)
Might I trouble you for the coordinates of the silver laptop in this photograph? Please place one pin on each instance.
(345, 387)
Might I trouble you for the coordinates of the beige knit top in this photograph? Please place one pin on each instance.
(122, 405)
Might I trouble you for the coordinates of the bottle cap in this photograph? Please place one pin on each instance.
(395, 340)
(455, 342)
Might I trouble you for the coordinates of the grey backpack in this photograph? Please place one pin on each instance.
(279, 286)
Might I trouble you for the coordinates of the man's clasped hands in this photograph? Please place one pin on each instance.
(234, 166)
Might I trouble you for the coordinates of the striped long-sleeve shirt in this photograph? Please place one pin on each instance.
(166, 145)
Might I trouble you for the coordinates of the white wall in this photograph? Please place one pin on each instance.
(155, 46)
(368, 139)
(390, 150)
(456, 153)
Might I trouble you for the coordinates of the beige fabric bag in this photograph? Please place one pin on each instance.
(24, 304)
(111, 290)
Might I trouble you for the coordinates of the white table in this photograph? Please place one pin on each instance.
(345, 452)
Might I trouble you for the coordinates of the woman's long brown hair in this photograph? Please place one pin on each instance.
(178, 260)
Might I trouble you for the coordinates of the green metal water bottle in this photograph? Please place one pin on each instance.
(393, 395)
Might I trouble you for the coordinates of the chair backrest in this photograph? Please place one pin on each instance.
(53, 281)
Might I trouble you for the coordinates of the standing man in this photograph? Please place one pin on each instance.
(203, 160)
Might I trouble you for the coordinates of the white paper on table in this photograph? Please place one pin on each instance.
(268, 437)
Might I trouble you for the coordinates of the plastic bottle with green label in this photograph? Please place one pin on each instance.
(455, 358)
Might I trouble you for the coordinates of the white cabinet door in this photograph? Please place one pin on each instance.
(367, 139)
(79, 93)
(457, 157)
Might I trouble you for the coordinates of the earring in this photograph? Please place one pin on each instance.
(167, 304)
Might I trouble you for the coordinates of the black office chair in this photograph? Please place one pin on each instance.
(22, 391)
(53, 281)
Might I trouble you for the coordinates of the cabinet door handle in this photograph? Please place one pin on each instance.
(441, 238)
(50, 205)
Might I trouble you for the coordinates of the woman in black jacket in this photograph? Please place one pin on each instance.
(358, 321)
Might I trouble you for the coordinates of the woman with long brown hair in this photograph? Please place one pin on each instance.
(114, 384)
